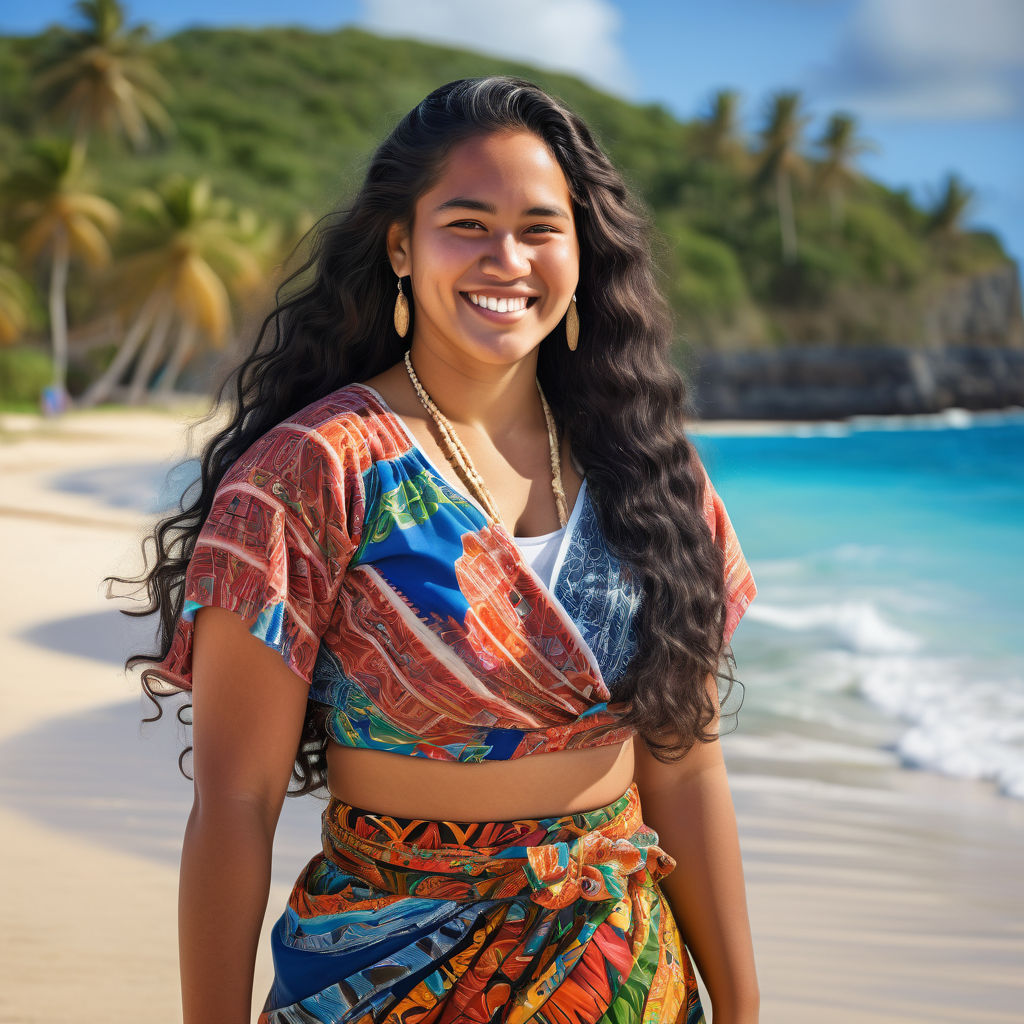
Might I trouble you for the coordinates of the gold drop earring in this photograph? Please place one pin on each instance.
(401, 312)
(572, 324)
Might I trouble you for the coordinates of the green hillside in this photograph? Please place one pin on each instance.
(282, 120)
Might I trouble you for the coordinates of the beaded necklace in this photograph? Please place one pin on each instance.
(458, 457)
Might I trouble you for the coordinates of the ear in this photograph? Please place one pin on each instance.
(399, 249)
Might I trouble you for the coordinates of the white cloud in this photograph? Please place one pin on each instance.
(956, 98)
(969, 33)
(576, 36)
(931, 59)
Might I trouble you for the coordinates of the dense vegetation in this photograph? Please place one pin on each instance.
(764, 240)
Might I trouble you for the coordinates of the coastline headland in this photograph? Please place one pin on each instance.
(803, 383)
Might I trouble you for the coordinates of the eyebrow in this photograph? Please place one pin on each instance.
(464, 203)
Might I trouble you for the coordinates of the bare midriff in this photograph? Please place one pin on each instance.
(535, 786)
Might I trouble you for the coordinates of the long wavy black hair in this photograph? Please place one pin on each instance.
(619, 397)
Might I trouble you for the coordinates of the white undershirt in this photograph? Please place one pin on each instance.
(540, 552)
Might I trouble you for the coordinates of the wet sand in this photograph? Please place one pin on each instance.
(875, 892)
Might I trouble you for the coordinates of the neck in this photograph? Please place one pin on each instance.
(494, 399)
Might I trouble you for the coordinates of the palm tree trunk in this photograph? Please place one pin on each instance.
(102, 387)
(179, 357)
(150, 354)
(80, 143)
(787, 222)
(59, 308)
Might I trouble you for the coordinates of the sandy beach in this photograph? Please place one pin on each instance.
(875, 893)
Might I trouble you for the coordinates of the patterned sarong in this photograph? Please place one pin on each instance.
(552, 920)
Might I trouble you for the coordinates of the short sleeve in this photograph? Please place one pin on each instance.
(274, 548)
(740, 588)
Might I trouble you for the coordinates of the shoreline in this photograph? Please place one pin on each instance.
(17, 425)
(855, 873)
(953, 417)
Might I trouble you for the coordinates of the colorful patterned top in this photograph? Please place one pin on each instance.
(417, 621)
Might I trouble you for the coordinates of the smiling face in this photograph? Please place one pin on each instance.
(492, 251)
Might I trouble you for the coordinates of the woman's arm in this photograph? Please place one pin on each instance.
(247, 712)
(690, 807)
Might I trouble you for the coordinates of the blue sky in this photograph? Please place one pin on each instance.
(938, 85)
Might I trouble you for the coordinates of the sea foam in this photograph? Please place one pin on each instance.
(957, 722)
(853, 625)
(960, 725)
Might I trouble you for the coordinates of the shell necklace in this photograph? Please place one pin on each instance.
(458, 457)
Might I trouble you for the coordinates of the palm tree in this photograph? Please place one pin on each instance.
(15, 298)
(840, 147)
(189, 250)
(101, 77)
(719, 136)
(782, 161)
(946, 217)
(56, 219)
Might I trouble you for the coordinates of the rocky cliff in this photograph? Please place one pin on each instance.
(830, 383)
(970, 354)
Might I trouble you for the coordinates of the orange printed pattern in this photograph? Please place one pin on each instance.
(740, 588)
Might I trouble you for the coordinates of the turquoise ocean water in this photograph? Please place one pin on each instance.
(889, 558)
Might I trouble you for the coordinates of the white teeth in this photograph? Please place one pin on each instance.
(504, 305)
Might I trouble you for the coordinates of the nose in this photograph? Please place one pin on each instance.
(506, 257)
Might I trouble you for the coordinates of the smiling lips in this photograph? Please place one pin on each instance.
(503, 304)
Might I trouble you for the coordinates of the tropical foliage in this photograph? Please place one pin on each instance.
(718, 136)
(241, 137)
(57, 220)
(189, 249)
(782, 161)
(99, 78)
(840, 147)
(16, 298)
(946, 216)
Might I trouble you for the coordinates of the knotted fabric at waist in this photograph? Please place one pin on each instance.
(592, 855)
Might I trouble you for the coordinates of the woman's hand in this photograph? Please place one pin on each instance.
(247, 712)
(690, 806)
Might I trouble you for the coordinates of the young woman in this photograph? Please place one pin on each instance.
(455, 558)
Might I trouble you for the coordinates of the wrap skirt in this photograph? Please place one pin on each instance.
(553, 920)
